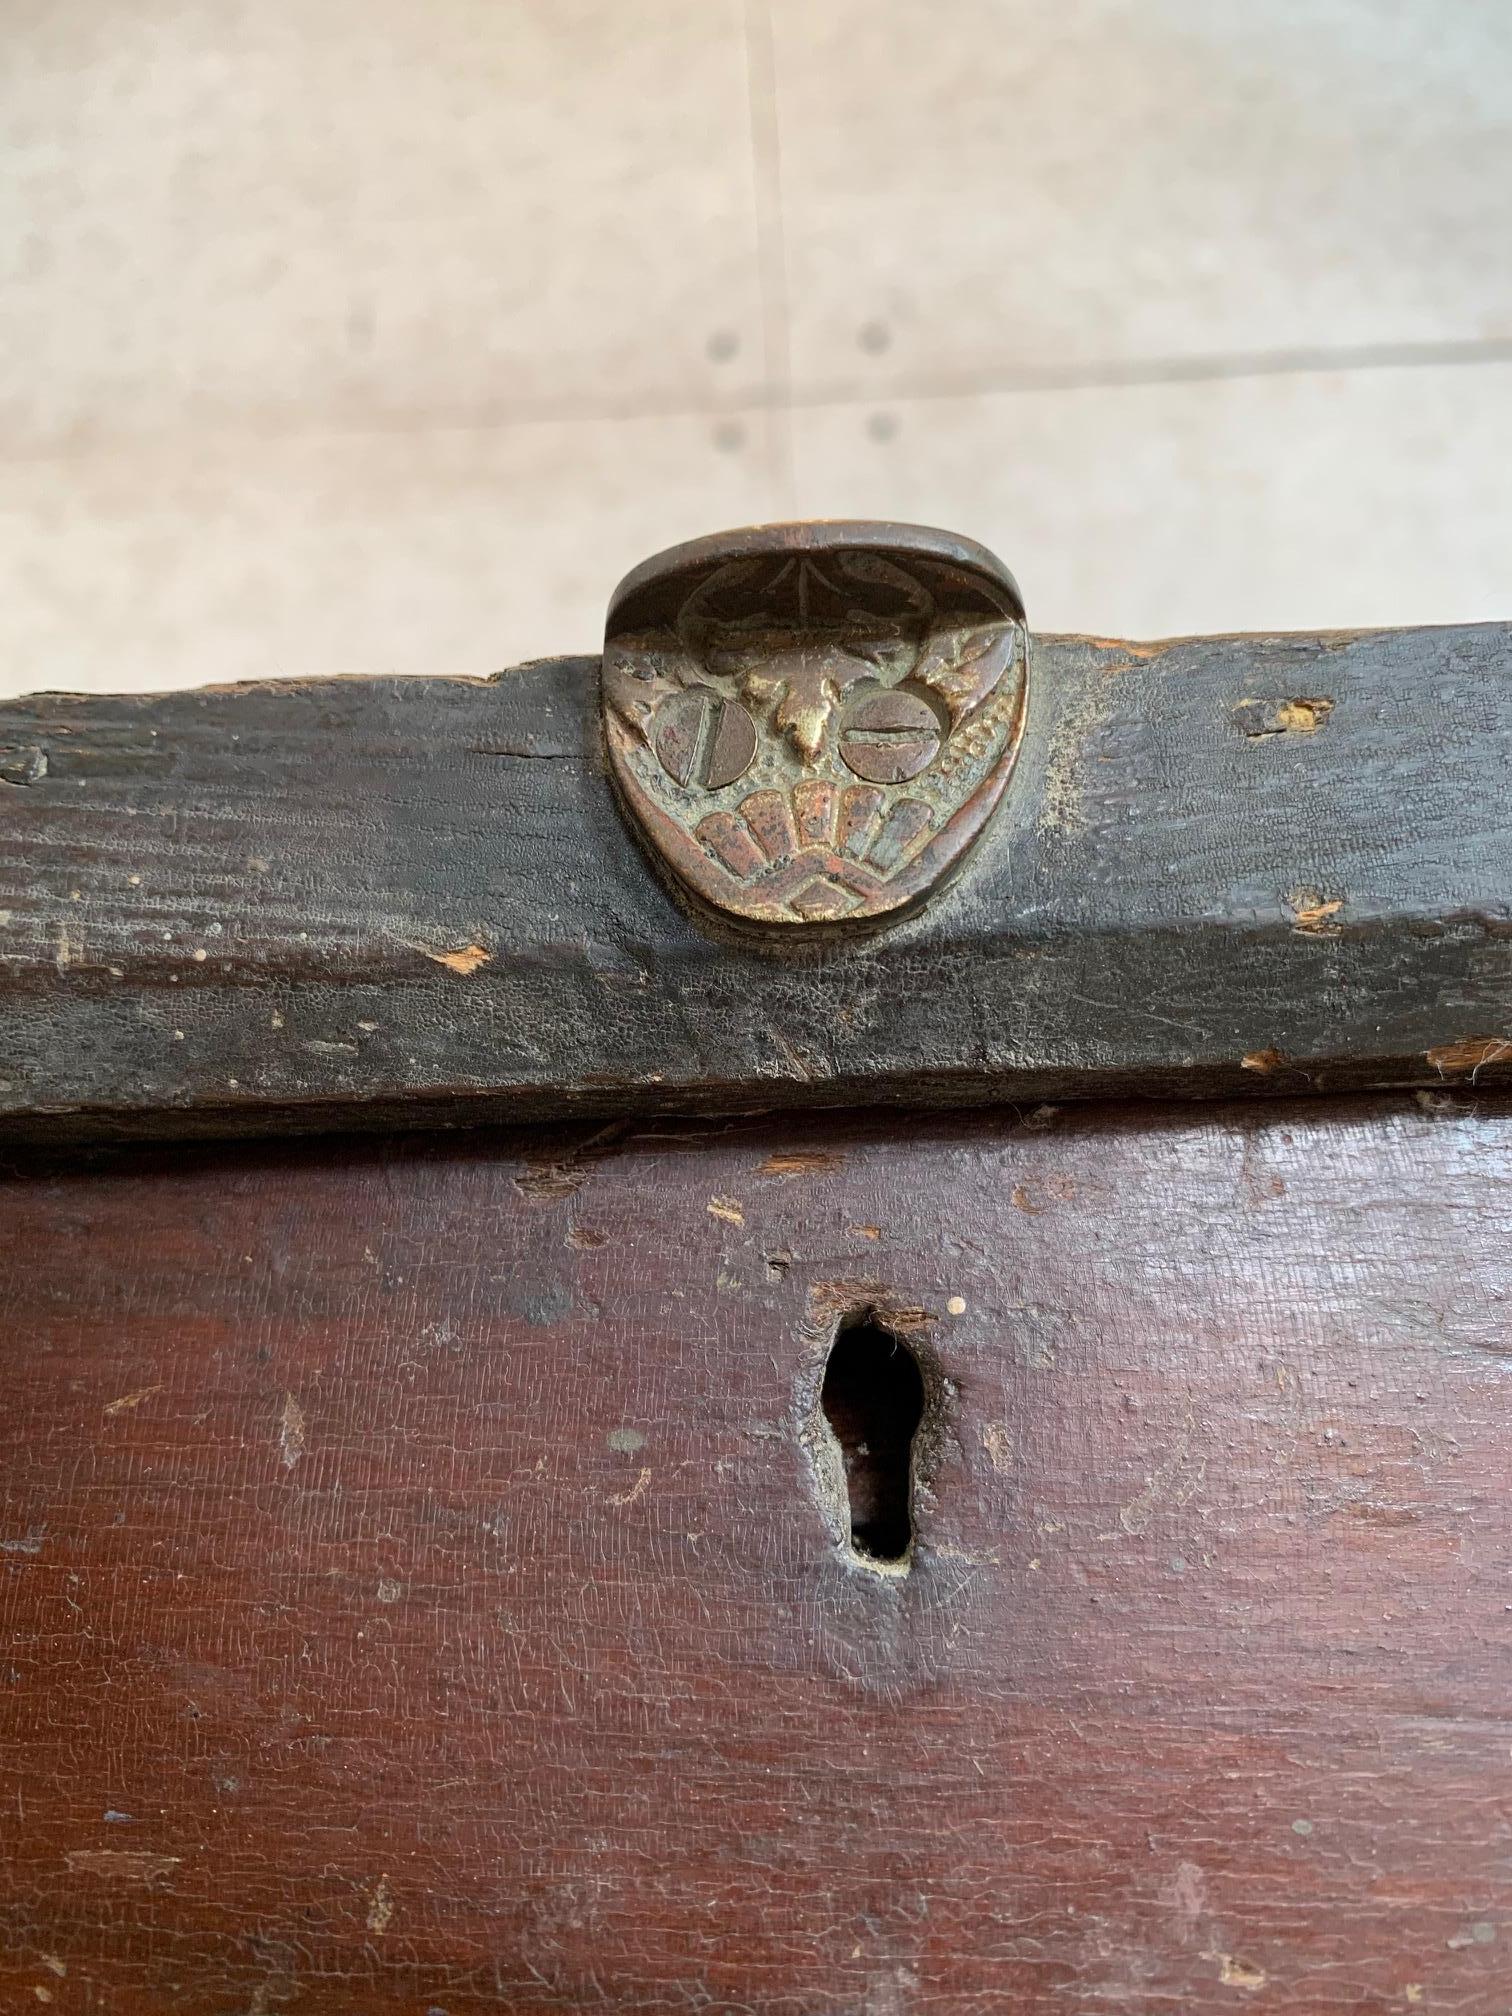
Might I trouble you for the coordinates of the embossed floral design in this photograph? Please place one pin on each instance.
(814, 736)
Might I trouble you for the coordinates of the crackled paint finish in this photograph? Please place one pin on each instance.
(418, 1593)
(1250, 865)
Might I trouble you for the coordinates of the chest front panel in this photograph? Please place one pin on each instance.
(430, 1575)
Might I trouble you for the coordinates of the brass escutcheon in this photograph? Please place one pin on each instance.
(811, 724)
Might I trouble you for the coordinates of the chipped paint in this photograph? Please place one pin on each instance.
(997, 1440)
(1468, 1055)
(1314, 913)
(1236, 1973)
(1263, 720)
(464, 960)
(380, 1906)
(1264, 1060)
(291, 1432)
(547, 1182)
(801, 1162)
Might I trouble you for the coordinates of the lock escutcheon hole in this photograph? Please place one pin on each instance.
(872, 1398)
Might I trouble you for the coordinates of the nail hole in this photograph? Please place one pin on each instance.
(873, 1400)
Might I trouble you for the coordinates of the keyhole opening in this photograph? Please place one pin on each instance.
(873, 1400)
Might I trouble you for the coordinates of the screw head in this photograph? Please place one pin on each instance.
(703, 739)
(888, 736)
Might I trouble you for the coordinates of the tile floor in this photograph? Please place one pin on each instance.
(373, 338)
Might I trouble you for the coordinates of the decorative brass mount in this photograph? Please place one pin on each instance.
(811, 724)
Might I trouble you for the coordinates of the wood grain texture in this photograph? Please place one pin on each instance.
(416, 1594)
(1242, 864)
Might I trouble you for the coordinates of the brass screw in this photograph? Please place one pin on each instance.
(888, 736)
(704, 739)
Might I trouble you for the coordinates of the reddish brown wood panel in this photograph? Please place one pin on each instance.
(416, 1594)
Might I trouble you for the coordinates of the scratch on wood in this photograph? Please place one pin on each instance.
(133, 1865)
(128, 1400)
(1176, 1480)
(726, 1208)
(801, 1162)
(548, 1182)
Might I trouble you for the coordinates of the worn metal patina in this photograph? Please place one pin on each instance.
(811, 724)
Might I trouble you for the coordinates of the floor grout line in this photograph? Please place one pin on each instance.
(1199, 368)
(771, 246)
(781, 397)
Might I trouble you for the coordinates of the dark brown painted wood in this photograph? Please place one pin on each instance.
(417, 1595)
(1234, 864)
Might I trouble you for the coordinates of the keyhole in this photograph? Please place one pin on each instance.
(873, 1400)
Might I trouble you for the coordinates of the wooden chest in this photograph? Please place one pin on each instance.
(567, 1448)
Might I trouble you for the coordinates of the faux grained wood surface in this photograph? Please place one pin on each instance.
(416, 1595)
(1246, 864)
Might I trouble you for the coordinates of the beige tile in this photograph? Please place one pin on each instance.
(999, 187)
(1268, 502)
(309, 212)
(1284, 501)
(237, 558)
